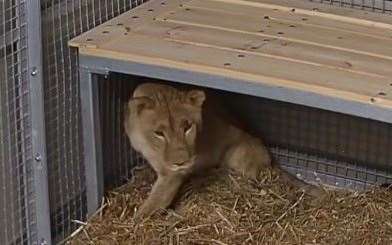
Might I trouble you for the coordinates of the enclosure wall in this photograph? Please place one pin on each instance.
(61, 21)
(23, 176)
(15, 136)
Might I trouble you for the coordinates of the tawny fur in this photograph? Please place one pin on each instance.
(181, 133)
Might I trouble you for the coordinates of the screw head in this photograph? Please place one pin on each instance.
(38, 157)
(34, 71)
(43, 242)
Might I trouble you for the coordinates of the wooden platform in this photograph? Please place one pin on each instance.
(314, 50)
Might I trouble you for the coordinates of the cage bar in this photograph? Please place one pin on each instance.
(39, 169)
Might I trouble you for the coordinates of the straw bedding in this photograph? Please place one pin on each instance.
(223, 208)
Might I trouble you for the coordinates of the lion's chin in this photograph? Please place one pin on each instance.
(177, 168)
(183, 167)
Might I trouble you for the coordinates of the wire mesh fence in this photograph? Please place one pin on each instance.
(382, 6)
(61, 21)
(119, 158)
(16, 220)
(338, 149)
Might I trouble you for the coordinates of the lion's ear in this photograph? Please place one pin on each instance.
(139, 104)
(196, 97)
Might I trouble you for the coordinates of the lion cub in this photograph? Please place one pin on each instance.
(180, 133)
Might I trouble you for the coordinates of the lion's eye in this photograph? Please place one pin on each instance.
(187, 126)
(159, 134)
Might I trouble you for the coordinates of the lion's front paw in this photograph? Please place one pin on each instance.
(144, 212)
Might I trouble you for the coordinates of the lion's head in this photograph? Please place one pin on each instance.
(163, 122)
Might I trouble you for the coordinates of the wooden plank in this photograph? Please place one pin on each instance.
(123, 24)
(303, 50)
(243, 43)
(341, 40)
(292, 17)
(145, 13)
(273, 71)
(322, 10)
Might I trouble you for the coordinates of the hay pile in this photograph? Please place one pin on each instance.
(222, 208)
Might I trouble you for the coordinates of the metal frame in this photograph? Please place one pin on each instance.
(333, 179)
(38, 122)
(360, 109)
(91, 138)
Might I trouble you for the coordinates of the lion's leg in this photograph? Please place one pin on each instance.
(248, 157)
(161, 195)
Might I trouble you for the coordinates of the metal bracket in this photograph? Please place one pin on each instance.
(95, 70)
(91, 137)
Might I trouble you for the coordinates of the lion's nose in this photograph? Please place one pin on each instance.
(177, 156)
(180, 163)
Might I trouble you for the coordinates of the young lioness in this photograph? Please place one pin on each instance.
(181, 133)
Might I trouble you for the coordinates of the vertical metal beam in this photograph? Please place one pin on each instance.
(42, 209)
(91, 139)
